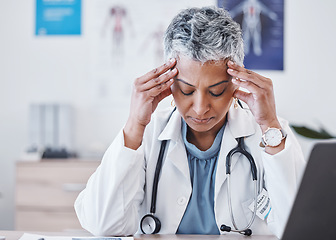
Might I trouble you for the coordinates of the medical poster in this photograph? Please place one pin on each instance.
(58, 17)
(126, 42)
(262, 23)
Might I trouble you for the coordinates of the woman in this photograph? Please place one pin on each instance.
(204, 75)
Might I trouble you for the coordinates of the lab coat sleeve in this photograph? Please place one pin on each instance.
(282, 175)
(110, 202)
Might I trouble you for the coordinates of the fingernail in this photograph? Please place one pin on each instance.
(231, 62)
(172, 60)
(174, 70)
(230, 70)
(235, 80)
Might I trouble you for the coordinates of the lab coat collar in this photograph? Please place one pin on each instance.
(176, 153)
(240, 124)
(172, 131)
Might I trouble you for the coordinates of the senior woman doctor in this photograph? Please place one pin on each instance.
(204, 74)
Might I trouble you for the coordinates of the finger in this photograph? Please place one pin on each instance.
(242, 68)
(156, 72)
(250, 86)
(244, 96)
(237, 71)
(158, 80)
(164, 94)
(158, 89)
(247, 76)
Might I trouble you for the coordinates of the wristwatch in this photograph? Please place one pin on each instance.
(272, 137)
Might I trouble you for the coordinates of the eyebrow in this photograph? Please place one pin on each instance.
(214, 85)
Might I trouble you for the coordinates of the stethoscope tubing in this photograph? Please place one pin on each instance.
(242, 230)
(156, 176)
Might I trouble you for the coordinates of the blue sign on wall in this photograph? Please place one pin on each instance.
(262, 24)
(58, 17)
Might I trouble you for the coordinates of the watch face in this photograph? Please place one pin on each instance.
(273, 137)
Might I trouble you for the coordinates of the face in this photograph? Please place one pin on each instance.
(203, 94)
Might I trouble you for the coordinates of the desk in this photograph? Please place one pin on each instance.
(14, 235)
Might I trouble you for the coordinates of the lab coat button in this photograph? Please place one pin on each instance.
(181, 200)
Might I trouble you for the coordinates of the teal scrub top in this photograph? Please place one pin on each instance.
(199, 217)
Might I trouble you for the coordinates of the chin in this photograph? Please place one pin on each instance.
(200, 127)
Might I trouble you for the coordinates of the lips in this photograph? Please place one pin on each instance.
(200, 120)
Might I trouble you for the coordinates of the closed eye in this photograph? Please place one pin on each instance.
(218, 94)
(187, 93)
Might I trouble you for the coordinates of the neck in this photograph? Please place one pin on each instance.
(203, 140)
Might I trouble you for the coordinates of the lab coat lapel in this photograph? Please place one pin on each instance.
(239, 124)
(178, 156)
(176, 152)
(228, 143)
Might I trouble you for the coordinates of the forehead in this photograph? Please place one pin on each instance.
(195, 72)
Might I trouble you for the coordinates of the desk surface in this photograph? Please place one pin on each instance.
(15, 235)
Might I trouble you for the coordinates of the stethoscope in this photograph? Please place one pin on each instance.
(150, 224)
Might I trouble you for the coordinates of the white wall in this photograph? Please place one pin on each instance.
(305, 90)
(57, 69)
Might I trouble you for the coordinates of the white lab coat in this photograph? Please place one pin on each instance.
(118, 194)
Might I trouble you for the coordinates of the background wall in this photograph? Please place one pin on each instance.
(59, 70)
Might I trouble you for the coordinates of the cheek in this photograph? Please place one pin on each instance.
(181, 102)
(179, 99)
(225, 101)
(229, 92)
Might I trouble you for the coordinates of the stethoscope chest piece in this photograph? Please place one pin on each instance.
(150, 224)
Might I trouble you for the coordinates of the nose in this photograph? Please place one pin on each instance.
(201, 104)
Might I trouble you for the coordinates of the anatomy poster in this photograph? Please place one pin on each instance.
(262, 23)
(127, 41)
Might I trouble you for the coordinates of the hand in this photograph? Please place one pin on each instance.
(260, 98)
(148, 91)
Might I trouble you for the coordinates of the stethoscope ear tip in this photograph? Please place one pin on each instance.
(225, 228)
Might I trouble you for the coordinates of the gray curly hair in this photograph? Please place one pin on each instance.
(204, 34)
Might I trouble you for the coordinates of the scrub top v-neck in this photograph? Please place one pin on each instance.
(199, 217)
